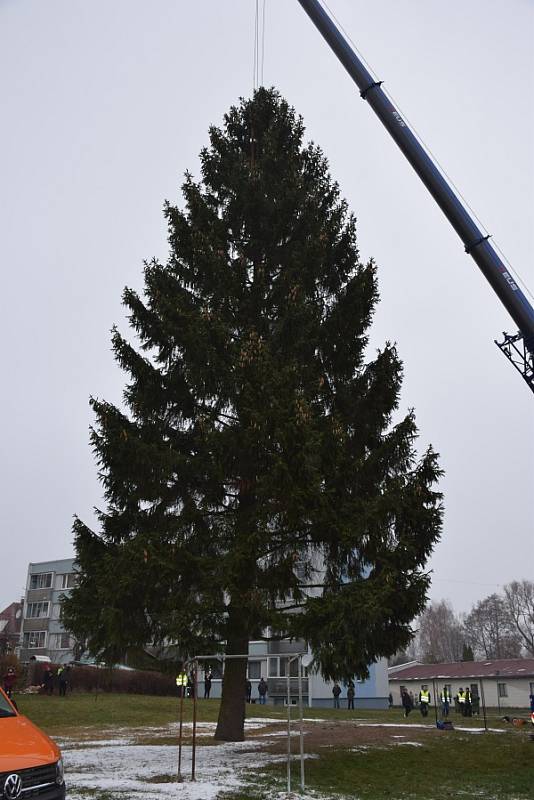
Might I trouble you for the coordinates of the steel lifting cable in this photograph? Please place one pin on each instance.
(259, 45)
(427, 148)
(262, 40)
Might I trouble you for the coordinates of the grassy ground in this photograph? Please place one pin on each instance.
(58, 715)
(489, 767)
(350, 760)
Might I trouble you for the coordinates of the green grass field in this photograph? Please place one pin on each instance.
(452, 764)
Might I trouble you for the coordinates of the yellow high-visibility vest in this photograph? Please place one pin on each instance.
(425, 697)
(181, 679)
(461, 697)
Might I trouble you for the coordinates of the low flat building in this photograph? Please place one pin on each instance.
(42, 633)
(501, 683)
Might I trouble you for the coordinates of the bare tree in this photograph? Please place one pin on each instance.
(489, 629)
(441, 634)
(519, 605)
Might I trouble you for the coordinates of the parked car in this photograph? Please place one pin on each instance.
(30, 762)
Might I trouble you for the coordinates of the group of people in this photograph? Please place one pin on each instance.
(48, 681)
(466, 702)
(186, 686)
(61, 677)
(336, 692)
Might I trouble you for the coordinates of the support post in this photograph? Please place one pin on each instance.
(435, 701)
(288, 726)
(302, 784)
(180, 778)
(483, 699)
(194, 743)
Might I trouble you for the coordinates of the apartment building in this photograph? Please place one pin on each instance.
(42, 633)
(272, 660)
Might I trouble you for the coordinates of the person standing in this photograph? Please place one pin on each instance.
(191, 684)
(336, 691)
(208, 675)
(445, 702)
(407, 702)
(468, 702)
(248, 691)
(10, 678)
(48, 680)
(461, 701)
(63, 676)
(262, 691)
(350, 696)
(181, 683)
(424, 700)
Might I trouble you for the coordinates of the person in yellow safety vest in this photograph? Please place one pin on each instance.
(445, 702)
(424, 700)
(461, 701)
(181, 683)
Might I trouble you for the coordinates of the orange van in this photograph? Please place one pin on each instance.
(30, 762)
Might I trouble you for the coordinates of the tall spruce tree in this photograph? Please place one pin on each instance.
(256, 470)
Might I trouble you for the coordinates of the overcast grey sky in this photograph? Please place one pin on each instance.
(107, 102)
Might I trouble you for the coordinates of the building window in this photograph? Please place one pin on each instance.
(59, 641)
(34, 640)
(502, 690)
(42, 580)
(278, 667)
(254, 670)
(66, 581)
(36, 610)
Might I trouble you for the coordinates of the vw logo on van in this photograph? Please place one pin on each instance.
(13, 786)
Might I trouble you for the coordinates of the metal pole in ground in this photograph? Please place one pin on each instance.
(301, 725)
(482, 697)
(194, 744)
(288, 728)
(182, 690)
(435, 701)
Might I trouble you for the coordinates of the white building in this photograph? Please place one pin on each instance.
(501, 683)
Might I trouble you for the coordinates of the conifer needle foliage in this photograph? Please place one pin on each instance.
(255, 482)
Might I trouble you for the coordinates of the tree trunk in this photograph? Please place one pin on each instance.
(231, 722)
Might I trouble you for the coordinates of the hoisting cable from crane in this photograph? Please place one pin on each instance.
(259, 45)
(257, 67)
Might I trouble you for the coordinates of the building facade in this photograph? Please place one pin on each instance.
(502, 683)
(42, 633)
(272, 660)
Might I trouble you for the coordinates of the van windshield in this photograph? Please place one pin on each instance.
(6, 710)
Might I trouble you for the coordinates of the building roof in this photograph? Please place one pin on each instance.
(504, 667)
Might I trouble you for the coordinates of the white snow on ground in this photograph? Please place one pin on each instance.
(422, 725)
(124, 769)
(412, 744)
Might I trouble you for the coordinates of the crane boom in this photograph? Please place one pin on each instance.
(519, 348)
